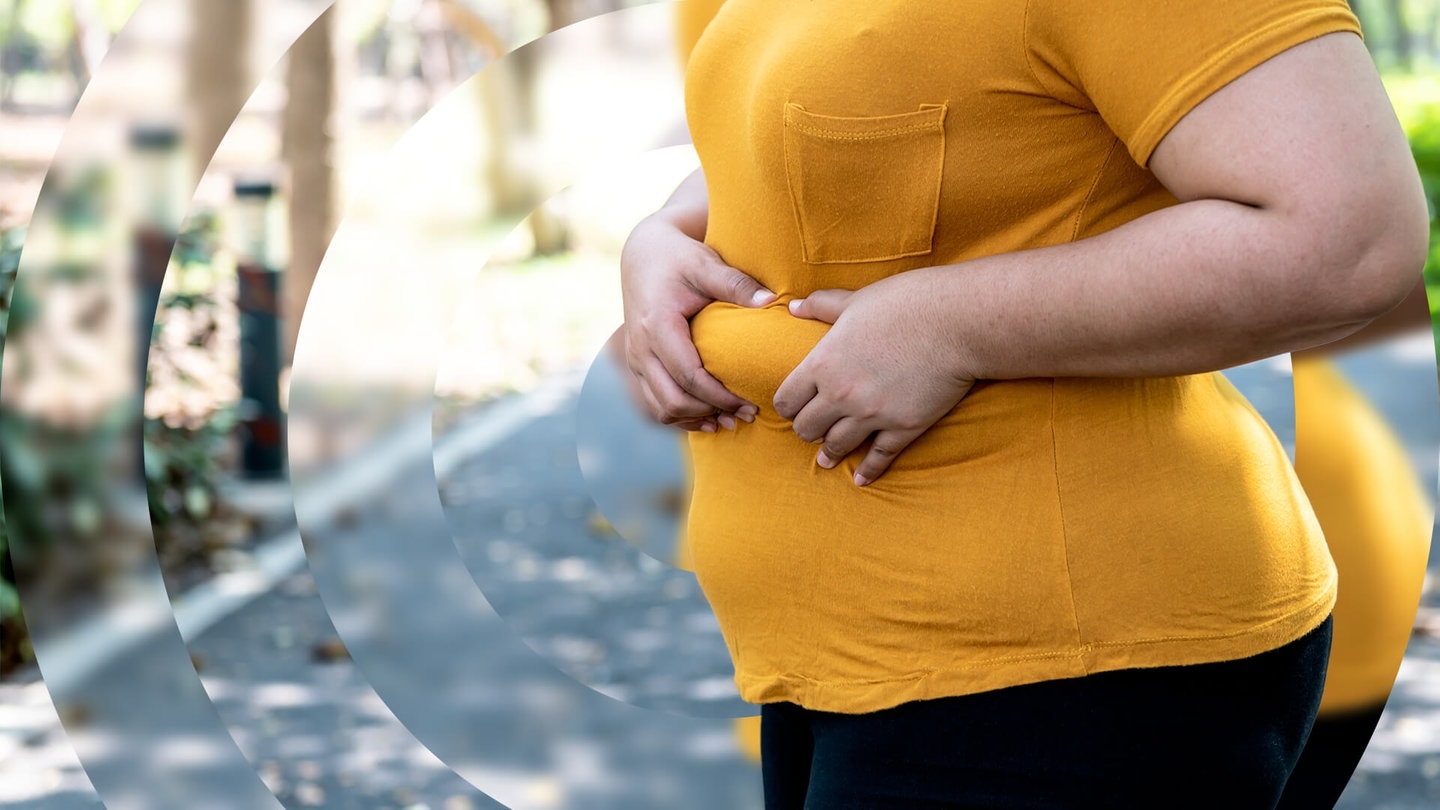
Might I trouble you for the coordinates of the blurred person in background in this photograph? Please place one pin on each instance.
(1096, 580)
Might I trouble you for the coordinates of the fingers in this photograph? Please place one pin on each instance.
(676, 353)
(794, 393)
(658, 412)
(887, 446)
(847, 434)
(668, 402)
(821, 305)
(841, 440)
(817, 419)
(722, 282)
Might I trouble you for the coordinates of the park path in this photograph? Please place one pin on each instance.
(570, 601)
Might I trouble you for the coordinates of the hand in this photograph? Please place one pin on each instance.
(666, 277)
(884, 369)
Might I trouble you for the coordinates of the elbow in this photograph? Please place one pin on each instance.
(1378, 260)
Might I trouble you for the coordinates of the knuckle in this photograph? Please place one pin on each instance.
(641, 328)
(885, 448)
(689, 378)
(911, 422)
(672, 412)
(735, 285)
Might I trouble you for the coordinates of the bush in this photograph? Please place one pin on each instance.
(1417, 100)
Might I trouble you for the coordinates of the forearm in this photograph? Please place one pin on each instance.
(1196, 287)
(1412, 315)
(688, 208)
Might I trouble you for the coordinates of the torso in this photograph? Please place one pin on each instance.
(1046, 528)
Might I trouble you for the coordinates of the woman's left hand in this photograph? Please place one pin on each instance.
(887, 368)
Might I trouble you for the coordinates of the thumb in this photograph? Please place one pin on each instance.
(821, 305)
(721, 282)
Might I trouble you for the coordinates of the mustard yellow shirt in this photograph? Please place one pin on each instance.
(1046, 528)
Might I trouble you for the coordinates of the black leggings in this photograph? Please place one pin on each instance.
(1222, 735)
(1335, 746)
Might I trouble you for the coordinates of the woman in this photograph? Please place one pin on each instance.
(1094, 580)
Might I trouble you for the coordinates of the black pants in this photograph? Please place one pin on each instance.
(1207, 736)
(1334, 749)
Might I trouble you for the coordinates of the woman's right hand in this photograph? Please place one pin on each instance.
(668, 274)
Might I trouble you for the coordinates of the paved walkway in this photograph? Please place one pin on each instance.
(445, 685)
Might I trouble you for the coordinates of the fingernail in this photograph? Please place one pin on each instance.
(748, 413)
(861, 480)
(794, 305)
(726, 421)
(762, 297)
(708, 427)
(823, 459)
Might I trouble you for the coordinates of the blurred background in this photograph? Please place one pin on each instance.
(485, 522)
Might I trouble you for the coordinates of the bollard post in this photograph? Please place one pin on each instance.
(258, 273)
(159, 183)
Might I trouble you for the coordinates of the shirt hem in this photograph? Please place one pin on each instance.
(965, 678)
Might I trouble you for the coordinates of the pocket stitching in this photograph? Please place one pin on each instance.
(792, 168)
(860, 136)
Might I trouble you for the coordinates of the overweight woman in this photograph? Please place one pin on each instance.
(979, 524)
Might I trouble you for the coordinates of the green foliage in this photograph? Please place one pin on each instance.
(49, 24)
(114, 13)
(185, 458)
(1389, 25)
(1423, 128)
(9, 265)
(183, 465)
(55, 479)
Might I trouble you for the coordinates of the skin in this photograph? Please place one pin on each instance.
(1412, 315)
(1301, 219)
(667, 275)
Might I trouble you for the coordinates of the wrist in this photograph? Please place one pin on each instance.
(941, 301)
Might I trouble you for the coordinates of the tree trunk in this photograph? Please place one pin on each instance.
(221, 74)
(512, 116)
(1403, 36)
(312, 77)
(508, 105)
(91, 40)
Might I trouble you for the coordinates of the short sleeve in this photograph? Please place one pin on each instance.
(1143, 64)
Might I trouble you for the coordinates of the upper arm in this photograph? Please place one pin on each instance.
(1310, 137)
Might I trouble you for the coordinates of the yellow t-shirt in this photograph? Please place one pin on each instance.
(691, 17)
(1377, 523)
(1046, 528)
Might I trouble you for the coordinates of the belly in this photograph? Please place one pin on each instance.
(753, 350)
(778, 541)
(1040, 517)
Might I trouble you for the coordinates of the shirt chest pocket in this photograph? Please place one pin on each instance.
(865, 189)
